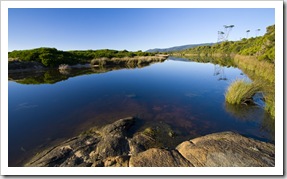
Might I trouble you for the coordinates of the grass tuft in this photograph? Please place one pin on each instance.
(241, 92)
(64, 67)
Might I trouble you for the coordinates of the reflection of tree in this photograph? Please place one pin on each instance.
(219, 71)
(51, 76)
(224, 62)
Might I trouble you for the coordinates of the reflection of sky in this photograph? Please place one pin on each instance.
(175, 91)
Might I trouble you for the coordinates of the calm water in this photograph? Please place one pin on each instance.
(186, 96)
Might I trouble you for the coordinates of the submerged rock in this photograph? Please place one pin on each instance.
(114, 139)
(142, 142)
(114, 146)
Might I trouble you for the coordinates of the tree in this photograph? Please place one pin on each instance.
(48, 59)
(247, 33)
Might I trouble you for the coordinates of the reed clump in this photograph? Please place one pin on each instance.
(99, 61)
(131, 62)
(241, 92)
(64, 67)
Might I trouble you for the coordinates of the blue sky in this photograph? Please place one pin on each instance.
(130, 29)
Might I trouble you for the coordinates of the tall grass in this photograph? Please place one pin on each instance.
(64, 67)
(261, 72)
(128, 61)
(270, 101)
(99, 61)
(241, 92)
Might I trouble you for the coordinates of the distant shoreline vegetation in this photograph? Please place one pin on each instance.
(262, 47)
(51, 57)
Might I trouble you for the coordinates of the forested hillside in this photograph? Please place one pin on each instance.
(263, 47)
(177, 48)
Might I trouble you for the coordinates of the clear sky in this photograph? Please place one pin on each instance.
(130, 29)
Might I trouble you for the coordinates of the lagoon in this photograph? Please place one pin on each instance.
(178, 94)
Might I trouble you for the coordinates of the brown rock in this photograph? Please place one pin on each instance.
(119, 161)
(158, 158)
(227, 149)
(72, 152)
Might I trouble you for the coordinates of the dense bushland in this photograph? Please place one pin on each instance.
(263, 47)
(51, 57)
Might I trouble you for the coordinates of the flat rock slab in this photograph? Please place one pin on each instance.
(227, 149)
(159, 158)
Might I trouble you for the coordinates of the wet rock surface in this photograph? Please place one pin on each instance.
(114, 146)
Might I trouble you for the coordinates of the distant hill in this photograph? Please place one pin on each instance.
(178, 48)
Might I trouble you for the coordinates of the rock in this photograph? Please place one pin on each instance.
(159, 158)
(141, 142)
(118, 161)
(91, 148)
(171, 134)
(111, 147)
(227, 149)
(114, 141)
(54, 157)
(73, 152)
(98, 163)
(131, 95)
(119, 127)
(149, 132)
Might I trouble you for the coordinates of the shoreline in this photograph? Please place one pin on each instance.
(19, 66)
(114, 145)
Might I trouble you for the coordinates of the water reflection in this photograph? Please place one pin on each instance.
(52, 76)
(178, 95)
(219, 71)
(221, 61)
(244, 112)
(253, 113)
(65, 71)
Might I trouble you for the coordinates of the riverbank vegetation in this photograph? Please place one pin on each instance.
(260, 72)
(262, 47)
(254, 56)
(51, 57)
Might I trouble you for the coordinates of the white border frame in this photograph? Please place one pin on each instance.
(277, 170)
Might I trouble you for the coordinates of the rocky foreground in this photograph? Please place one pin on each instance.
(112, 146)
